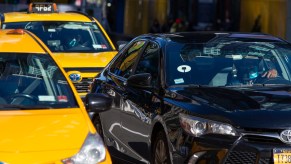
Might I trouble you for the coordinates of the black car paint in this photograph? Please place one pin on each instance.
(132, 131)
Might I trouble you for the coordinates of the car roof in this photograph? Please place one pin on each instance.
(59, 16)
(23, 43)
(208, 36)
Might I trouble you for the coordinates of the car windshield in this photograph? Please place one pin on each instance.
(228, 63)
(66, 36)
(33, 81)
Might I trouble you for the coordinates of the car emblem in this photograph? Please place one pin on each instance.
(285, 136)
(75, 76)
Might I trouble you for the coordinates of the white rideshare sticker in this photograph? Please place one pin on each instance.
(46, 98)
(184, 68)
(179, 81)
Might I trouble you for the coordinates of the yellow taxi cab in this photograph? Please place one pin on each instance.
(77, 40)
(42, 117)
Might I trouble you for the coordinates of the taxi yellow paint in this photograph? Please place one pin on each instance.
(10, 43)
(38, 135)
(71, 61)
(24, 16)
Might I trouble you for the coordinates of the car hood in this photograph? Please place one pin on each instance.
(74, 60)
(42, 130)
(244, 107)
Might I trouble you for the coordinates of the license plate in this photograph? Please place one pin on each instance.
(282, 156)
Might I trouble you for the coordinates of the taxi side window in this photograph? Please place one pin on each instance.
(124, 65)
(149, 62)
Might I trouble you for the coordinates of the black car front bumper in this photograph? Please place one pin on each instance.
(249, 148)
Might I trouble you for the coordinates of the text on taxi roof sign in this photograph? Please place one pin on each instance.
(42, 8)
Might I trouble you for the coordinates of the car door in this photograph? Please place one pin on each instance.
(119, 71)
(138, 108)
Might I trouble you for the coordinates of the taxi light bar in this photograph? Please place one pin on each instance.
(16, 31)
(42, 7)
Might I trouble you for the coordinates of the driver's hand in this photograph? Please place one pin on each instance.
(272, 73)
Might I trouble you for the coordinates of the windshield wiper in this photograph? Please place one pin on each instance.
(23, 107)
(256, 85)
(275, 85)
(190, 85)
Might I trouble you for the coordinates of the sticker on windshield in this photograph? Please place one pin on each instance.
(46, 98)
(62, 99)
(179, 81)
(76, 26)
(96, 46)
(51, 30)
(184, 68)
(103, 46)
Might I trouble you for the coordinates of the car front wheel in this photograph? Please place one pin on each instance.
(160, 153)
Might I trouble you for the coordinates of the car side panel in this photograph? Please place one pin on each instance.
(136, 124)
(111, 119)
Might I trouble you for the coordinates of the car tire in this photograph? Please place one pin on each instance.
(160, 151)
(97, 124)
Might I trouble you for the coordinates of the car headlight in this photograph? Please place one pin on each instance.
(92, 151)
(198, 126)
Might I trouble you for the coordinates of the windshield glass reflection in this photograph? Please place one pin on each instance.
(228, 63)
(31, 81)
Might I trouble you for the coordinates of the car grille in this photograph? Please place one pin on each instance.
(262, 139)
(268, 137)
(266, 161)
(83, 86)
(84, 69)
(236, 157)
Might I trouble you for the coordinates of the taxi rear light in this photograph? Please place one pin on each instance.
(16, 31)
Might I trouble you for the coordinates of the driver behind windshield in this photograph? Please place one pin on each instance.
(254, 70)
(272, 73)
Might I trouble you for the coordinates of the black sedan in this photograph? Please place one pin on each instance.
(196, 98)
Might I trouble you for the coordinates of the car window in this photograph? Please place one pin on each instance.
(66, 36)
(125, 63)
(33, 79)
(149, 62)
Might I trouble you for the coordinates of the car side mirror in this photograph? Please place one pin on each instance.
(121, 44)
(142, 81)
(97, 102)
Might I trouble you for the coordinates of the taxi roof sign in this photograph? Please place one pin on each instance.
(42, 7)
